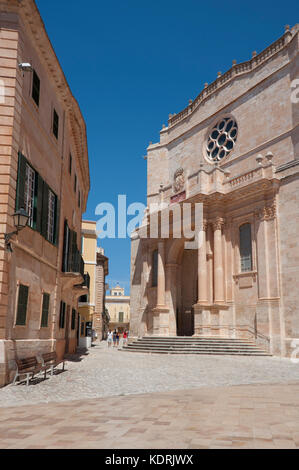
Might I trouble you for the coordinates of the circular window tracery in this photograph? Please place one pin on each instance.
(222, 139)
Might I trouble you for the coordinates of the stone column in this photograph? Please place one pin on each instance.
(143, 322)
(202, 266)
(161, 311)
(161, 275)
(171, 296)
(218, 262)
(268, 310)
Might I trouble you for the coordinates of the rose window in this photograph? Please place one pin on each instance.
(222, 139)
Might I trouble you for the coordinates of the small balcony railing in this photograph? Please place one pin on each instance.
(77, 263)
(86, 282)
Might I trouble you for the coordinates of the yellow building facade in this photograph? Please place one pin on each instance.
(92, 315)
(118, 306)
(87, 303)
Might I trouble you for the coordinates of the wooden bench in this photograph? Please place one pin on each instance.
(27, 367)
(49, 361)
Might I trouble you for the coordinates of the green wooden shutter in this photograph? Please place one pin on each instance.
(45, 310)
(39, 203)
(35, 87)
(65, 248)
(73, 319)
(20, 194)
(74, 252)
(22, 305)
(70, 251)
(45, 209)
(62, 314)
(57, 221)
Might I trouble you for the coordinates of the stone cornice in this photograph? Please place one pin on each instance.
(235, 71)
(35, 29)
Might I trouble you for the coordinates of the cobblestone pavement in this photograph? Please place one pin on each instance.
(109, 399)
(246, 416)
(104, 372)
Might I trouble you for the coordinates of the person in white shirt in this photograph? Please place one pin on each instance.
(109, 338)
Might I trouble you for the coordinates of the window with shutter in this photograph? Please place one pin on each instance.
(22, 305)
(45, 310)
(45, 211)
(35, 196)
(65, 255)
(62, 314)
(29, 196)
(55, 124)
(57, 220)
(20, 193)
(51, 216)
(121, 317)
(73, 319)
(245, 248)
(39, 203)
(35, 87)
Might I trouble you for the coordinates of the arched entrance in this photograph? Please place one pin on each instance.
(186, 286)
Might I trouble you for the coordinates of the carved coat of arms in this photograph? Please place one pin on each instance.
(179, 180)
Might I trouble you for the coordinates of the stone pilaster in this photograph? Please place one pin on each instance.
(161, 274)
(202, 266)
(218, 261)
(171, 296)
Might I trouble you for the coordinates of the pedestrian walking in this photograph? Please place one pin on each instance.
(109, 338)
(125, 338)
(117, 338)
(114, 338)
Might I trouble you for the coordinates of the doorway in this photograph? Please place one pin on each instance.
(187, 295)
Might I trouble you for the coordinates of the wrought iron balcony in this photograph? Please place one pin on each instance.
(77, 264)
(86, 282)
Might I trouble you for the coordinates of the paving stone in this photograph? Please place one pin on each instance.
(238, 415)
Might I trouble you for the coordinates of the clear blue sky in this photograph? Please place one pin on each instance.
(131, 63)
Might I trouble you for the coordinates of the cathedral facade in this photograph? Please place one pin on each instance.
(234, 149)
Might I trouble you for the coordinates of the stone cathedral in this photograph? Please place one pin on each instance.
(235, 150)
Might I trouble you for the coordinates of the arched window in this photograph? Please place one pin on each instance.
(245, 248)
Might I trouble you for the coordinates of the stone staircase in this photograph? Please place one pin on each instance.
(195, 345)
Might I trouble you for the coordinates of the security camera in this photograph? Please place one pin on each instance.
(26, 67)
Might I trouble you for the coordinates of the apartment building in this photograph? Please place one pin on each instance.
(44, 171)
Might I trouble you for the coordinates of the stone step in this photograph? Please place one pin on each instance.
(192, 339)
(191, 343)
(216, 348)
(197, 352)
(200, 345)
(239, 347)
(207, 343)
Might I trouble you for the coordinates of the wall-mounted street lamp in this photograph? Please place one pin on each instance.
(25, 66)
(20, 220)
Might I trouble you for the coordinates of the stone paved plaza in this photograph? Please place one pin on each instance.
(182, 402)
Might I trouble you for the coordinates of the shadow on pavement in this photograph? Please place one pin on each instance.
(78, 356)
